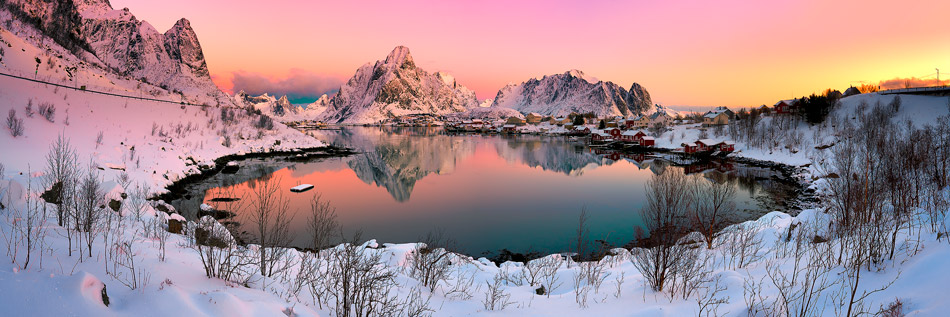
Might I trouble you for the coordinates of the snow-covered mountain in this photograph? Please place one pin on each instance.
(117, 41)
(396, 86)
(280, 108)
(573, 91)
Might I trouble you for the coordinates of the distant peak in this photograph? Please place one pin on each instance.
(399, 54)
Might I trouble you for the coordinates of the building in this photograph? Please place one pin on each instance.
(516, 121)
(786, 106)
(661, 118)
(600, 136)
(718, 116)
(533, 118)
(636, 122)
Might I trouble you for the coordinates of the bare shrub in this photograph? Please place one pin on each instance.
(430, 260)
(29, 108)
(548, 267)
(801, 288)
(133, 277)
(14, 124)
(741, 245)
(264, 123)
(358, 283)
(48, 111)
(220, 255)
(99, 139)
(495, 296)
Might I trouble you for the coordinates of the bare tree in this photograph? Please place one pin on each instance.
(713, 201)
(90, 199)
(270, 214)
(29, 228)
(61, 172)
(582, 243)
(322, 222)
(669, 195)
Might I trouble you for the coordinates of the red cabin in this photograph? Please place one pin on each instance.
(786, 106)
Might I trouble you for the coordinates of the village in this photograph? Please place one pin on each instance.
(635, 133)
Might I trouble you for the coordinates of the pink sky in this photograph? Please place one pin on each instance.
(697, 53)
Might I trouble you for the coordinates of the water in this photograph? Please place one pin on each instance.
(488, 193)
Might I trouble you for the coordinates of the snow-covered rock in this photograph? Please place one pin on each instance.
(393, 87)
(573, 91)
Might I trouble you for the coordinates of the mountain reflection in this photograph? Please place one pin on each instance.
(396, 158)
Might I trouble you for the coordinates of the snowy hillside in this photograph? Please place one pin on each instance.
(117, 42)
(393, 87)
(155, 142)
(573, 91)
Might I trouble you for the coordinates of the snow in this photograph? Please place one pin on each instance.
(301, 188)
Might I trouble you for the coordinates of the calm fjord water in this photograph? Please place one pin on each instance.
(486, 192)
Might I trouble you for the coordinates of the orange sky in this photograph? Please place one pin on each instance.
(696, 53)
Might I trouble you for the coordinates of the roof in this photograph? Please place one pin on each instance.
(650, 138)
(787, 102)
(633, 132)
(708, 142)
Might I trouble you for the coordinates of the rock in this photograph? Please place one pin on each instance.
(115, 205)
(174, 226)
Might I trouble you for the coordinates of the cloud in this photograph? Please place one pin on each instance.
(912, 82)
(299, 85)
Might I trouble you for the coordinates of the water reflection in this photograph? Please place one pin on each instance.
(487, 192)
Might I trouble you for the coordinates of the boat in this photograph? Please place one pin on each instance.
(301, 188)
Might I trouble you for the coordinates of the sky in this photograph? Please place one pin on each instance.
(684, 52)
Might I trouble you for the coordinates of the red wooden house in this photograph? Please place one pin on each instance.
(786, 106)
(600, 137)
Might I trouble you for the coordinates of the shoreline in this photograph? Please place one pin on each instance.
(176, 190)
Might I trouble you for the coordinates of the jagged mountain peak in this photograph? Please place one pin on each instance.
(572, 91)
(580, 74)
(393, 87)
(398, 56)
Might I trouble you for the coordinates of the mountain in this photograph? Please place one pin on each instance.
(573, 91)
(280, 108)
(393, 87)
(115, 40)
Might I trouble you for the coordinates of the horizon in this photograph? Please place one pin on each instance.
(689, 55)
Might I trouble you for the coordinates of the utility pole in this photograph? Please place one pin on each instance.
(938, 75)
